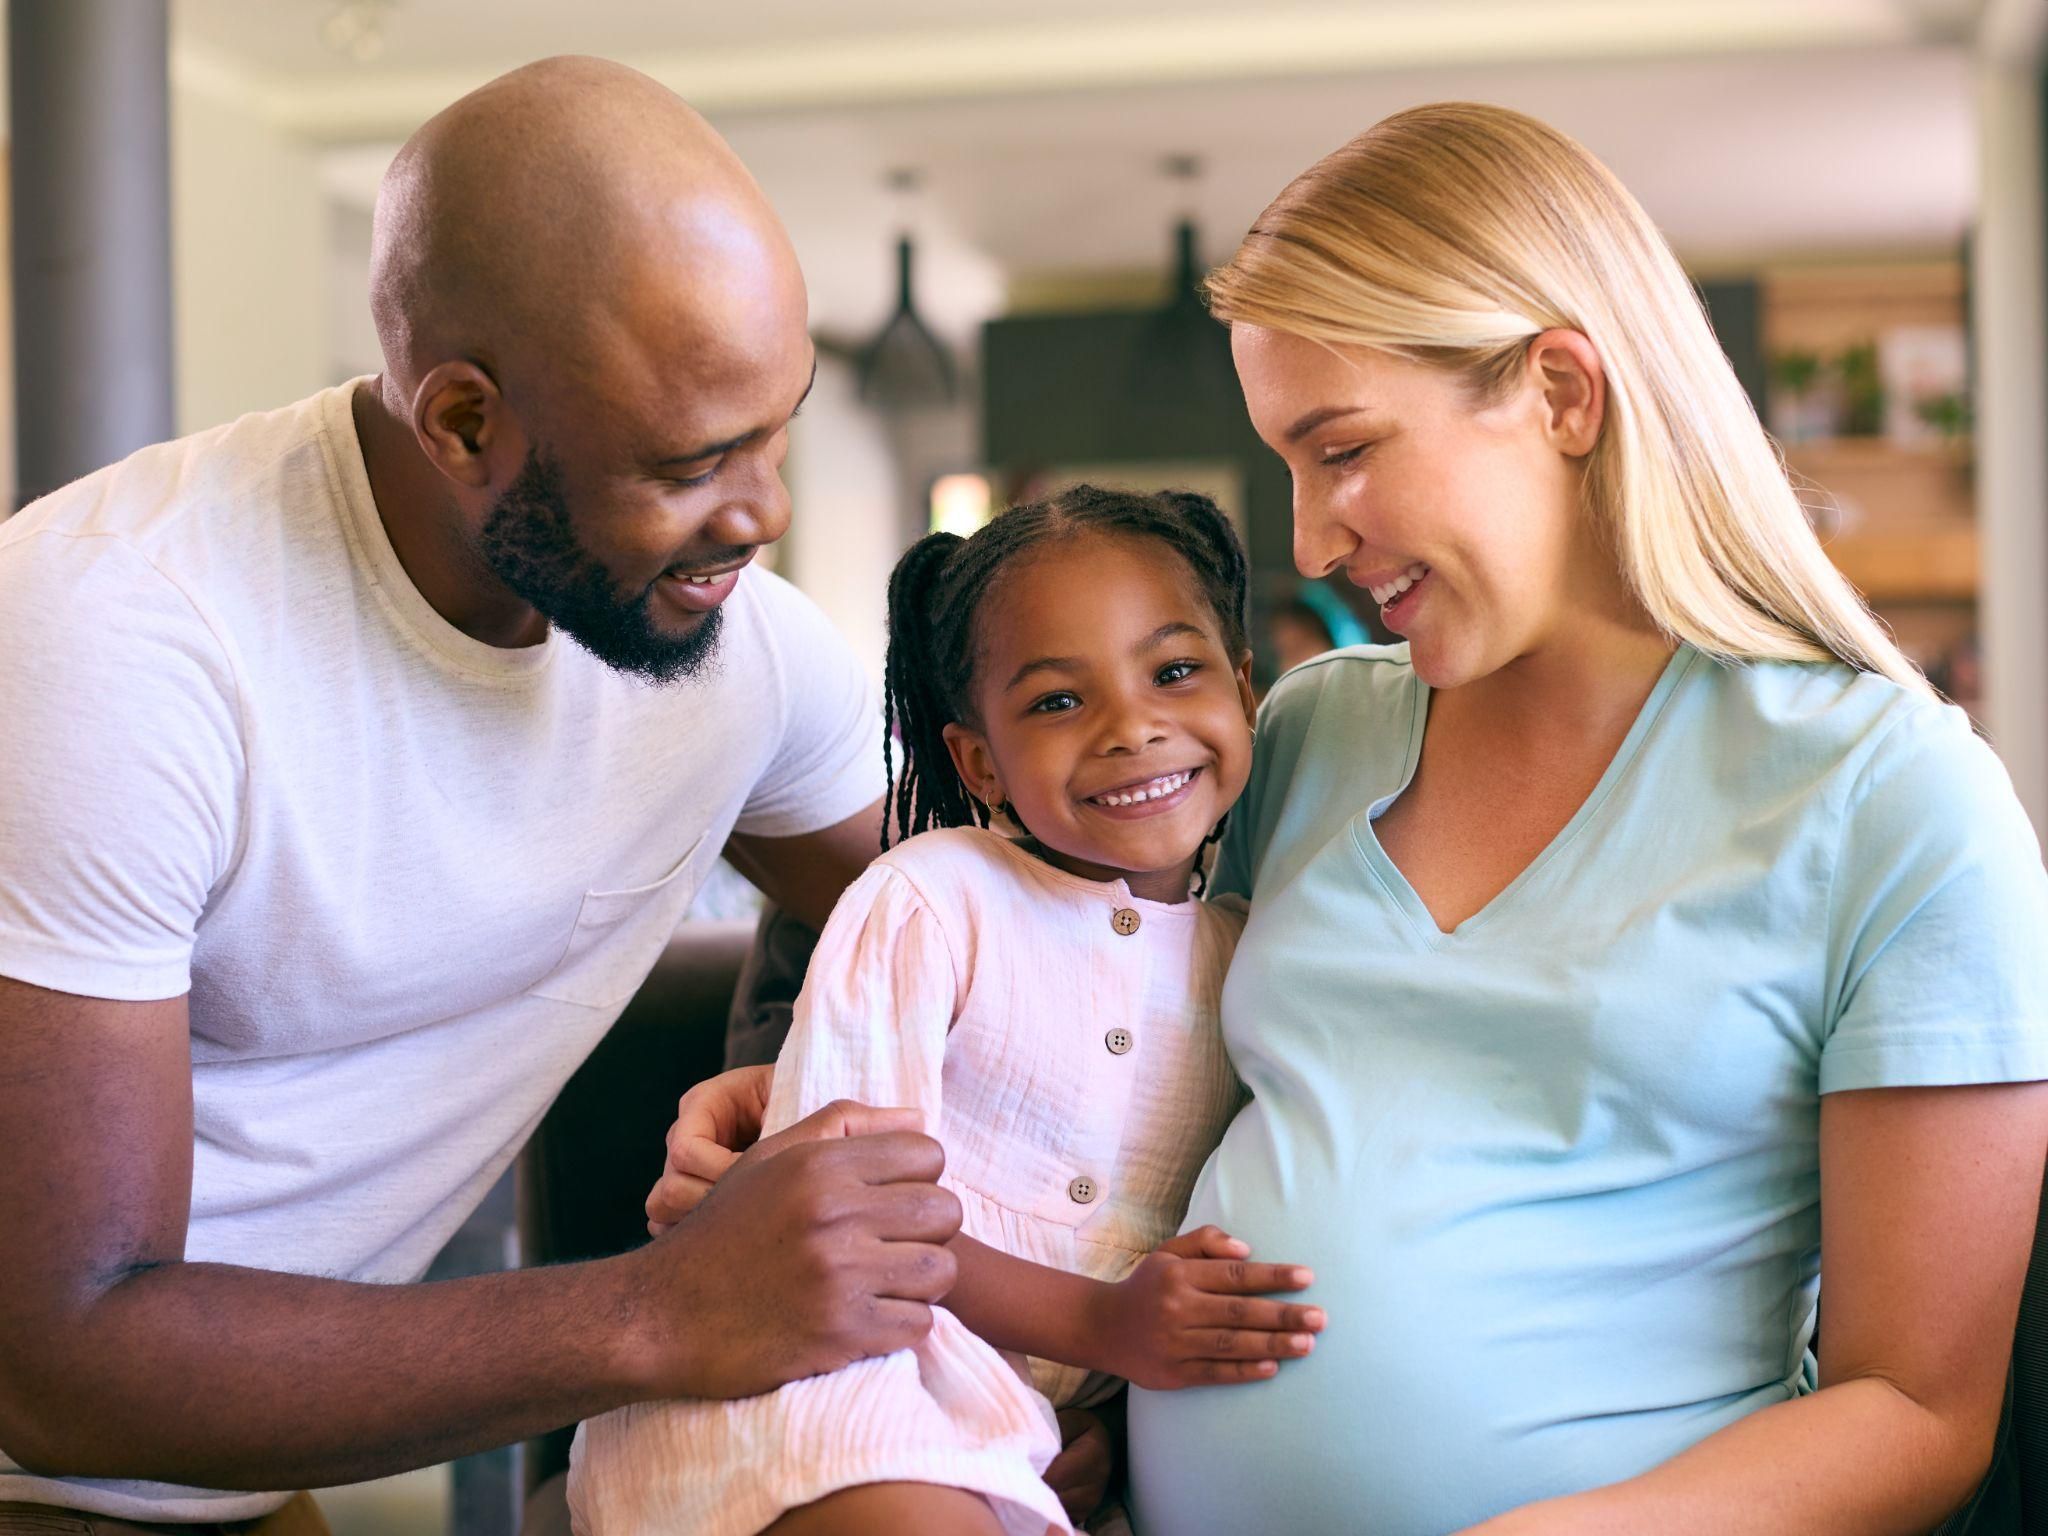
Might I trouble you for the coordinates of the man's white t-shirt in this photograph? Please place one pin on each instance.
(408, 879)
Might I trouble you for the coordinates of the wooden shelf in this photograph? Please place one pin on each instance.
(1816, 455)
(1926, 565)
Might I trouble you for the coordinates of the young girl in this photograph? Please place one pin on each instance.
(1077, 669)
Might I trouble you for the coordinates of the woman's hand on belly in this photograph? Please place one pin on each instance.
(1196, 1312)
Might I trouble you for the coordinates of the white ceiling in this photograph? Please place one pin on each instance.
(1747, 127)
(1102, 39)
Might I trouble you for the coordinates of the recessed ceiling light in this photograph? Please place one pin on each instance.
(355, 29)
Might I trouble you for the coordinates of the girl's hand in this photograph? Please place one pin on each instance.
(1080, 1473)
(715, 1122)
(1193, 1314)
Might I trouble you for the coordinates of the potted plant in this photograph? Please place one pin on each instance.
(1799, 409)
(1862, 390)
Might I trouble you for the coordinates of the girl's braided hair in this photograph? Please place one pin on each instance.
(937, 588)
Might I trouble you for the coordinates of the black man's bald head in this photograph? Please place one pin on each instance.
(579, 288)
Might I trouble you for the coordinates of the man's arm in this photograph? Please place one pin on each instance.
(119, 1359)
(805, 875)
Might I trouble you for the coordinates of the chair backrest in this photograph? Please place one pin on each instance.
(584, 1174)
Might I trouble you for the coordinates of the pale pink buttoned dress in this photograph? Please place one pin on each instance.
(1060, 1037)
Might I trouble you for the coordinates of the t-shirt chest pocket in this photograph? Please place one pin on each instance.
(620, 934)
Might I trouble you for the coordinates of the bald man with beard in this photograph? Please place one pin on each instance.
(362, 756)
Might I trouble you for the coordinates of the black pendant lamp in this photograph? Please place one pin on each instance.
(1181, 351)
(905, 365)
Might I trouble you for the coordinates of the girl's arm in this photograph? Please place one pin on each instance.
(1192, 1313)
(1928, 1198)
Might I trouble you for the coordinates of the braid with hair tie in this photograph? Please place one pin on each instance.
(915, 707)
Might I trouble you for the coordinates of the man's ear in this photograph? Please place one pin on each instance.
(463, 425)
(975, 764)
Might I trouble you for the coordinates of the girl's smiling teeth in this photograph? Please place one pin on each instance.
(1392, 591)
(1150, 789)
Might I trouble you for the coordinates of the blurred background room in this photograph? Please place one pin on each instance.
(1004, 210)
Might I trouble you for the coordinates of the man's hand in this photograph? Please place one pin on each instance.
(1193, 1313)
(716, 1121)
(1080, 1473)
(823, 1245)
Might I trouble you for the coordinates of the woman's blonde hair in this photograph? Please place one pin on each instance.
(1451, 235)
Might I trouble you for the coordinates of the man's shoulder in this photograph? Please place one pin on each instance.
(241, 472)
(777, 618)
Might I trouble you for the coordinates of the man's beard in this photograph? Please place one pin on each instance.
(529, 545)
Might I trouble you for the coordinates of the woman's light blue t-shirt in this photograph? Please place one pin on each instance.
(1558, 1171)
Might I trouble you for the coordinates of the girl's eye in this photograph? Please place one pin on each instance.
(1177, 672)
(1347, 456)
(1054, 704)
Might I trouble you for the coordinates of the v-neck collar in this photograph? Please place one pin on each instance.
(1404, 895)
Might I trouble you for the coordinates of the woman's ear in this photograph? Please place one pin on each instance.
(1566, 367)
(975, 764)
(462, 425)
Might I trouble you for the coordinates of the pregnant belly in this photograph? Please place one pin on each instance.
(1465, 1371)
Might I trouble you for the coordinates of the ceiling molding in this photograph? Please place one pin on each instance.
(344, 105)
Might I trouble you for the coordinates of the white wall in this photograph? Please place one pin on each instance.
(2011, 326)
(249, 262)
(847, 498)
(352, 346)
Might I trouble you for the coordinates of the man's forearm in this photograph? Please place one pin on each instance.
(236, 1378)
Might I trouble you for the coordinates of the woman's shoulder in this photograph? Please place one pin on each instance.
(1833, 721)
(1355, 673)
(1334, 733)
(1339, 701)
(1900, 767)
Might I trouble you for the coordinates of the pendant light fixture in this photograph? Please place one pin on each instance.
(905, 365)
(1182, 354)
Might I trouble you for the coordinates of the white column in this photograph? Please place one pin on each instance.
(2010, 322)
(88, 103)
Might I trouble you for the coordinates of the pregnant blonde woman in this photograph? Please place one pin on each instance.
(1637, 944)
